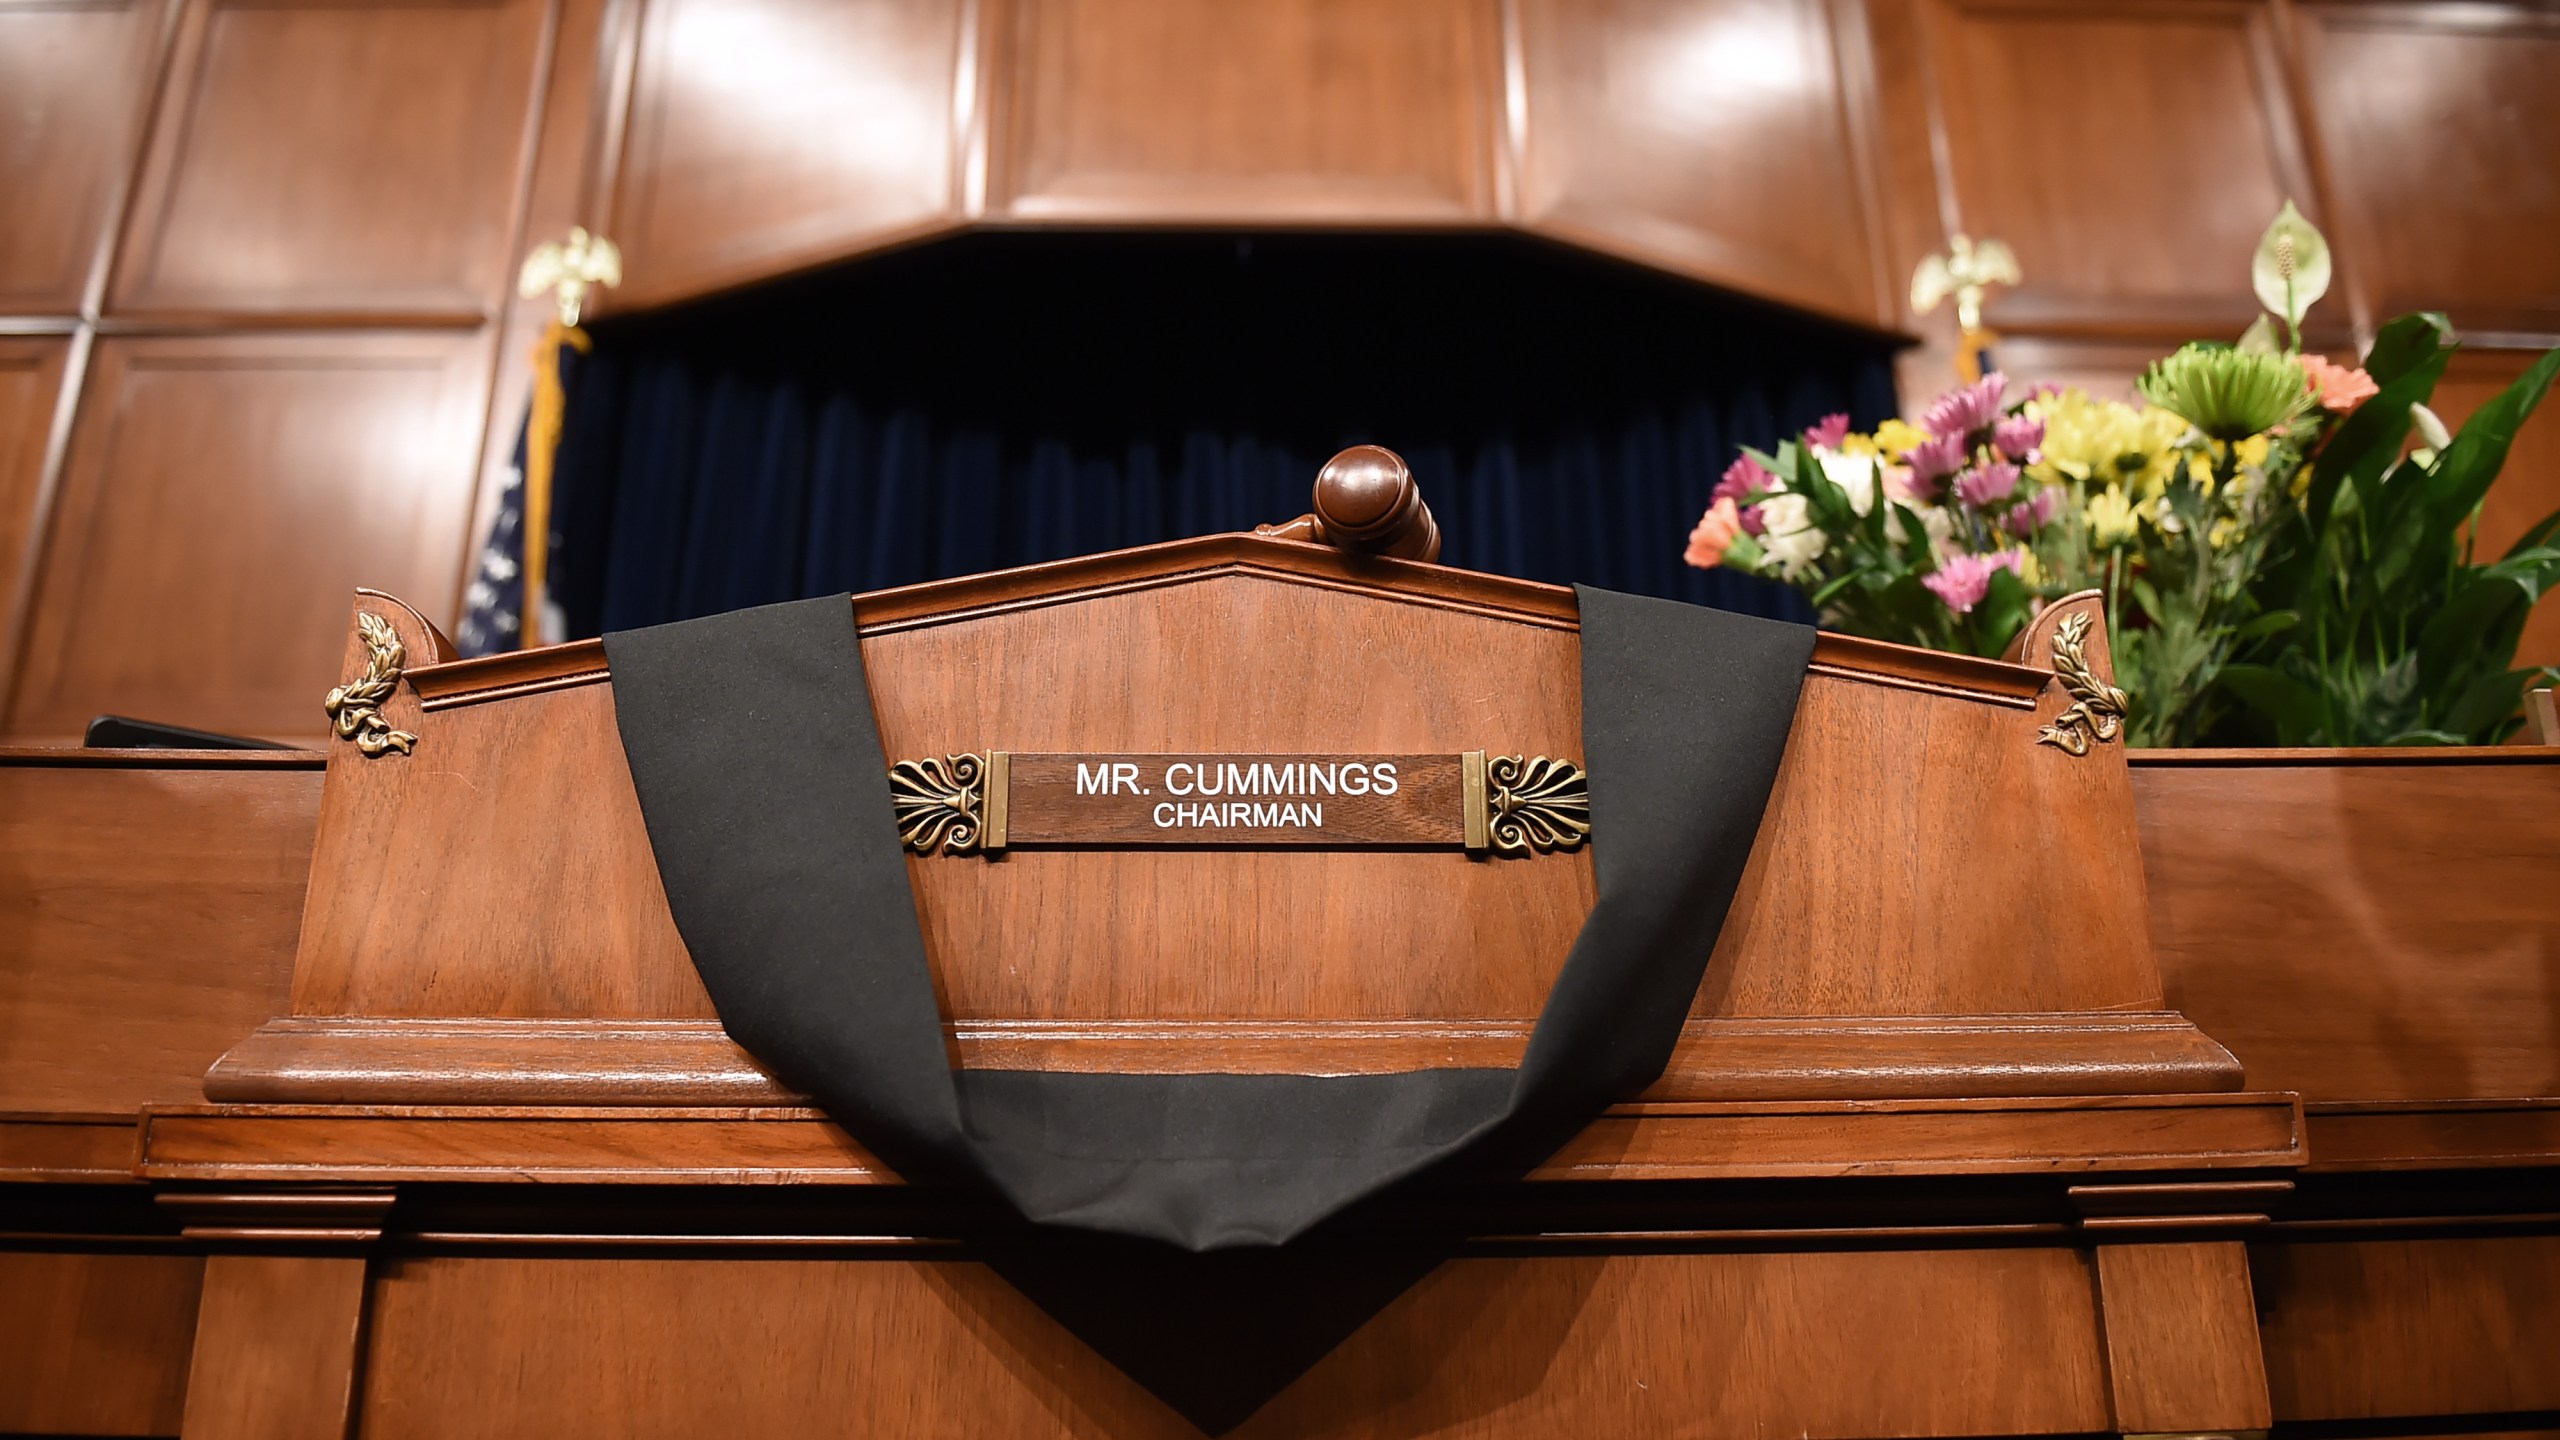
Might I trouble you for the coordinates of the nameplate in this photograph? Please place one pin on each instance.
(978, 803)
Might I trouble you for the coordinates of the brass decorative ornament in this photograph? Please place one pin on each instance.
(2097, 709)
(568, 269)
(356, 707)
(1535, 803)
(941, 804)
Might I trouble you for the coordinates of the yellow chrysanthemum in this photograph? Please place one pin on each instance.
(1893, 437)
(1856, 444)
(2111, 519)
(2253, 456)
(2106, 442)
(2226, 532)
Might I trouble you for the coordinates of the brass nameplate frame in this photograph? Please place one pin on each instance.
(981, 803)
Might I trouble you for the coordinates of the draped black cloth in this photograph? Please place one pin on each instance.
(1004, 399)
(761, 776)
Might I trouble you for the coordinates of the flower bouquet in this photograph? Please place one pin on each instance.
(2279, 565)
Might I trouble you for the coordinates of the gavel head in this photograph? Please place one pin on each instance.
(1366, 500)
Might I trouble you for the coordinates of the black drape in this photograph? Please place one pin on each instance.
(1005, 399)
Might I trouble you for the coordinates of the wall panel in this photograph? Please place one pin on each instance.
(74, 77)
(2438, 122)
(2372, 1328)
(1714, 138)
(30, 383)
(95, 1344)
(2130, 155)
(2527, 490)
(1296, 110)
(336, 158)
(770, 134)
(223, 496)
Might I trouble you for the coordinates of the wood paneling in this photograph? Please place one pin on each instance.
(1838, 1345)
(2371, 1328)
(1712, 138)
(95, 1344)
(2527, 490)
(2436, 121)
(2182, 1338)
(149, 915)
(2130, 155)
(75, 77)
(30, 384)
(336, 158)
(275, 1349)
(771, 134)
(2361, 932)
(1302, 111)
(222, 497)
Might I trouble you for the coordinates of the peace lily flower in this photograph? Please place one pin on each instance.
(2226, 393)
(2291, 268)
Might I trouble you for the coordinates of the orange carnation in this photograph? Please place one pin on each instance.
(2340, 388)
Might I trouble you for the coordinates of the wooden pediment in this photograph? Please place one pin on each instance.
(1939, 902)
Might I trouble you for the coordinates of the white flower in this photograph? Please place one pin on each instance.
(1792, 541)
(1941, 527)
(1855, 474)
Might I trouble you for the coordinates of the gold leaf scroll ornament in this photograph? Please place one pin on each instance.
(2097, 708)
(940, 803)
(1536, 803)
(357, 705)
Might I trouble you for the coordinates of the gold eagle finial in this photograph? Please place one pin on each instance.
(567, 269)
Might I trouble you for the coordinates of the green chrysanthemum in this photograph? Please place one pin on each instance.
(2226, 393)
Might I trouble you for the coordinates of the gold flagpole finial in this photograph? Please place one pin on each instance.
(1967, 269)
(567, 269)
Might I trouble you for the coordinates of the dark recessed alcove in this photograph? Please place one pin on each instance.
(1008, 397)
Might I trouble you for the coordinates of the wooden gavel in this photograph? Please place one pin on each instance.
(1366, 501)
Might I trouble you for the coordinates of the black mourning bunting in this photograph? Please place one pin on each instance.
(759, 769)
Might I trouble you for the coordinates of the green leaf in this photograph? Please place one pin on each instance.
(2005, 609)
(2290, 706)
(2484, 704)
(2291, 268)
(2274, 622)
(2260, 338)
(2471, 463)
(2146, 596)
(2405, 342)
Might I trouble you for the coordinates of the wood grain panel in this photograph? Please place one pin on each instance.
(30, 384)
(150, 917)
(2361, 932)
(2372, 1328)
(1303, 111)
(1811, 1345)
(275, 1349)
(2182, 1338)
(334, 157)
(1713, 139)
(222, 496)
(2130, 155)
(95, 1344)
(769, 134)
(2436, 122)
(2527, 490)
(76, 76)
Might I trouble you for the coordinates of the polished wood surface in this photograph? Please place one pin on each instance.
(2182, 1338)
(148, 912)
(1301, 111)
(275, 1347)
(2424, 973)
(767, 135)
(203, 528)
(77, 78)
(1725, 139)
(382, 179)
(95, 1343)
(31, 375)
(2364, 1328)
(2451, 103)
(1660, 1344)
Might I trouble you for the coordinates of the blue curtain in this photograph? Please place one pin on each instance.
(1009, 399)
